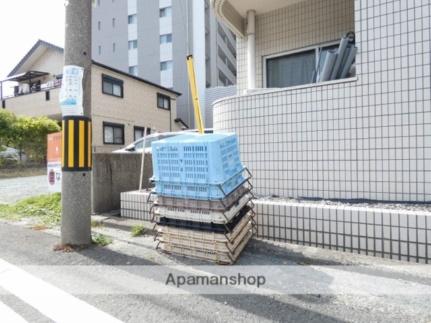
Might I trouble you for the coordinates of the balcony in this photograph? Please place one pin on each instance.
(35, 103)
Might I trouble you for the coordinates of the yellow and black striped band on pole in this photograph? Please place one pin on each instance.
(76, 144)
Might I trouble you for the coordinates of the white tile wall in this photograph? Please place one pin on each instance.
(135, 205)
(401, 235)
(368, 138)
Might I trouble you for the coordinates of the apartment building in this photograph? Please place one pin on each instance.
(362, 137)
(124, 106)
(152, 38)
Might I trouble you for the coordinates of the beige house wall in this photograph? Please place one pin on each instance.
(52, 62)
(36, 105)
(297, 26)
(138, 108)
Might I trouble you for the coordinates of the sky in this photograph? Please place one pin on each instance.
(22, 23)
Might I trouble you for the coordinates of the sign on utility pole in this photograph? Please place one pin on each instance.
(75, 101)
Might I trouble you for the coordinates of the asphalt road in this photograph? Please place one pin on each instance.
(14, 189)
(35, 300)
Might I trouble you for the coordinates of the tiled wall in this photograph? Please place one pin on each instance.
(364, 138)
(135, 205)
(393, 234)
(301, 25)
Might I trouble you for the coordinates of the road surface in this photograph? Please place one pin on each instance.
(27, 295)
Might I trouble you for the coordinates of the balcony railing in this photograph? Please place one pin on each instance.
(22, 90)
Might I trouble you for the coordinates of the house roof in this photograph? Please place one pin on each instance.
(136, 78)
(33, 55)
(40, 48)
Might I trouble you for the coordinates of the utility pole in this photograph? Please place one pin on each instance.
(77, 158)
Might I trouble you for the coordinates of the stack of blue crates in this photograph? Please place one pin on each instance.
(194, 166)
(202, 200)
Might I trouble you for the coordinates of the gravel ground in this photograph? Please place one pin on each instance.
(422, 207)
(14, 189)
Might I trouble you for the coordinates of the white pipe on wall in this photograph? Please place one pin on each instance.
(251, 49)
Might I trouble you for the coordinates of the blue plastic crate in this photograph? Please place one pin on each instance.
(199, 191)
(195, 158)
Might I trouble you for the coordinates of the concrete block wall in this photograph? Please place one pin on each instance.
(114, 174)
(363, 138)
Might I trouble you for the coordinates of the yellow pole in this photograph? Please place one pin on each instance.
(195, 94)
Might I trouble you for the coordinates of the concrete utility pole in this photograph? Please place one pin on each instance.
(76, 180)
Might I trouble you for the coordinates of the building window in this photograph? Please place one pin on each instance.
(291, 70)
(98, 3)
(133, 44)
(99, 50)
(112, 86)
(138, 133)
(133, 70)
(166, 12)
(99, 25)
(223, 79)
(166, 39)
(113, 133)
(47, 96)
(132, 19)
(113, 47)
(297, 68)
(163, 101)
(113, 22)
(164, 66)
(3, 104)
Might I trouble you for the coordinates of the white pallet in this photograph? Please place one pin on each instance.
(200, 215)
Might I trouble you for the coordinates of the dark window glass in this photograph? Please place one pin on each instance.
(291, 70)
(139, 132)
(163, 101)
(113, 134)
(112, 86)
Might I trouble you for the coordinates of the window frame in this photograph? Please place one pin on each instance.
(113, 126)
(133, 41)
(132, 19)
(168, 38)
(138, 128)
(169, 65)
(134, 67)
(114, 81)
(165, 9)
(164, 96)
(316, 49)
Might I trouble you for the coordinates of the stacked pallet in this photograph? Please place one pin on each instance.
(204, 203)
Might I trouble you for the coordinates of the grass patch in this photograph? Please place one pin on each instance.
(45, 209)
(137, 230)
(97, 224)
(101, 240)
